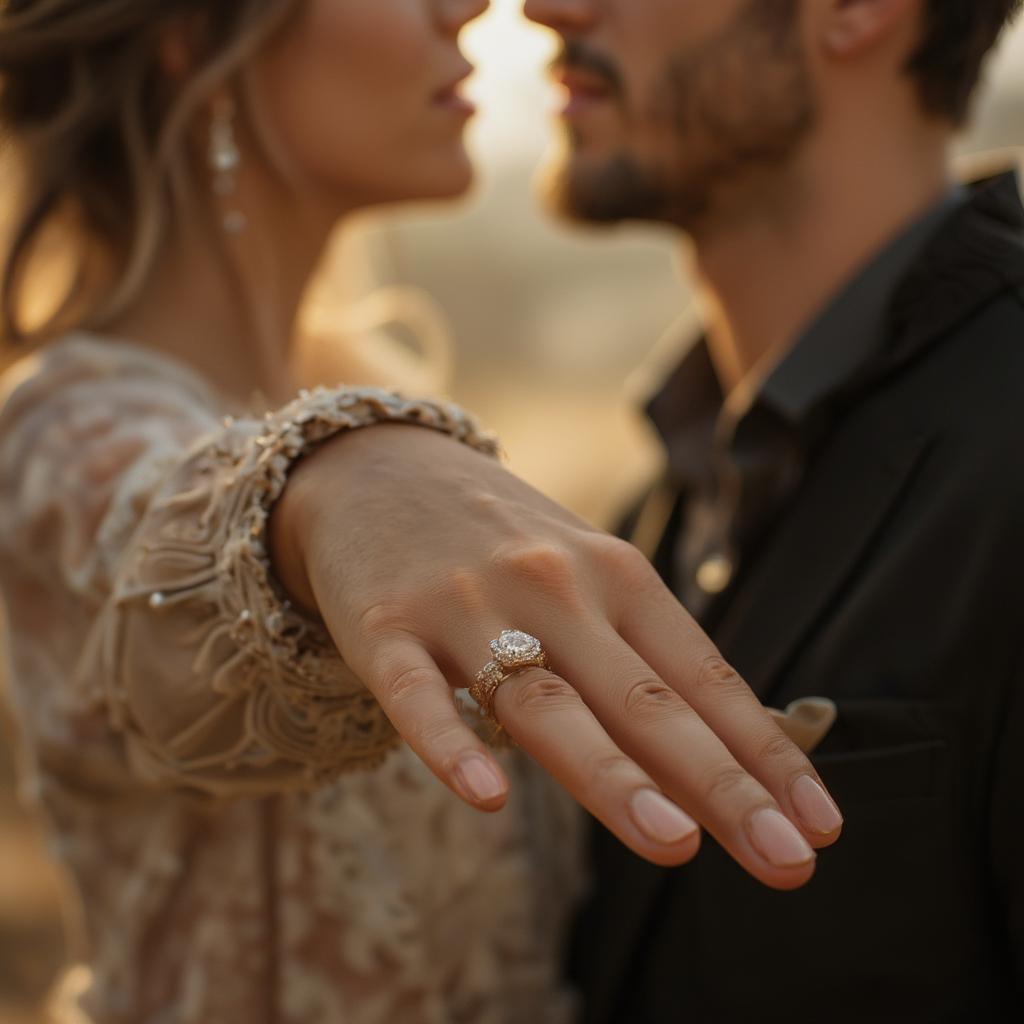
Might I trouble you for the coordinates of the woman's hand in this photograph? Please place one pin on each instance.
(417, 551)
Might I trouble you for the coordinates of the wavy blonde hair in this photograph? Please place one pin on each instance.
(95, 138)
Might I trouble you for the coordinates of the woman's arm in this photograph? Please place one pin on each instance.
(413, 550)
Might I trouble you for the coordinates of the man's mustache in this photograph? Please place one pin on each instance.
(575, 56)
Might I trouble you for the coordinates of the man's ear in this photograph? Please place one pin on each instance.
(851, 27)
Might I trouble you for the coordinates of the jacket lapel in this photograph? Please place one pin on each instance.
(819, 543)
(978, 255)
(821, 538)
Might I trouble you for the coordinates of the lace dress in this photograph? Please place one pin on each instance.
(248, 840)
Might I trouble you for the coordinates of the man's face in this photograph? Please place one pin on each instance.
(674, 104)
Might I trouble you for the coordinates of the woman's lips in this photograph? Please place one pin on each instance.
(453, 100)
(451, 96)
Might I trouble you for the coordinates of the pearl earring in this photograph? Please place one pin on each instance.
(225, 158)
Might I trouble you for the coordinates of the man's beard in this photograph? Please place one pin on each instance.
(744, 102)
(621, 188)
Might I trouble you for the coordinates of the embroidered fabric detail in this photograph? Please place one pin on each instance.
(181, 723)
(205, 554)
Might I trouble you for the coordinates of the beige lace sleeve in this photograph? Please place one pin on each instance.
(122, 490)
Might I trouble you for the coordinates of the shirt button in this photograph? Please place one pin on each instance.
(715, 574)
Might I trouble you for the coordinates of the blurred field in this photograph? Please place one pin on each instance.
(541, 330)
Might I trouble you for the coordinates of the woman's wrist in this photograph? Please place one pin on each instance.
(285, 535)
(340, 458)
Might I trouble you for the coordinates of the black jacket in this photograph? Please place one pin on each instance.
(892, 583)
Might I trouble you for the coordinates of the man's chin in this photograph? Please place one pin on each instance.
(610, 190)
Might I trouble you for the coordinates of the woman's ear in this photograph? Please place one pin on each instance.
(849, 28)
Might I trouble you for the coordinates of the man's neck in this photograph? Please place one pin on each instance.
(767, 271)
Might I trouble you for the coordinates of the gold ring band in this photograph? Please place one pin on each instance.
(513, 652)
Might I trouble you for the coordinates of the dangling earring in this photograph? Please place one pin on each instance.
(225, 159)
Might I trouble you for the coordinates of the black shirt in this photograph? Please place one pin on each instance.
(738, 459)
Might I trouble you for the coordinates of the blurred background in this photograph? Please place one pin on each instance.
(553, 334)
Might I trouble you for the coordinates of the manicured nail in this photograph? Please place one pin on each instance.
(815, 807)
(659, 819)
(479, 779)
(778, 841)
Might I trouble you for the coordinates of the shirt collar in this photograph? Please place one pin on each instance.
(686, 412)
(691, 412)
(854, 324)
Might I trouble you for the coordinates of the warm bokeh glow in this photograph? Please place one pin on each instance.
(510, 54)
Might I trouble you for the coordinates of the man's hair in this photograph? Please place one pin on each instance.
(958, 35)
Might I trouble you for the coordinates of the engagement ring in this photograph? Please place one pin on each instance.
(513, 651)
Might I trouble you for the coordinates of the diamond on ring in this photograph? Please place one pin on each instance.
(514, 649)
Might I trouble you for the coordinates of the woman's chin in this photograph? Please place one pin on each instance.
(451, 178)
(423, 173)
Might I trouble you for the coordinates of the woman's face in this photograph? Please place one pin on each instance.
(363, 96)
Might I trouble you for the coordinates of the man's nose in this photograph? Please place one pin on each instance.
(565, 16)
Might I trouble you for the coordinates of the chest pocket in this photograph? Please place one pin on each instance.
(887, 929)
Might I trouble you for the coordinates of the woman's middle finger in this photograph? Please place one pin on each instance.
(549, 720)
(656, 729)
(551, 723)
(665, 636)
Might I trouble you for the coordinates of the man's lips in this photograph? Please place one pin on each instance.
(584, 88)
(583, 82)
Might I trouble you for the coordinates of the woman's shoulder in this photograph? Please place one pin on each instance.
(82, 401)
(82, 358)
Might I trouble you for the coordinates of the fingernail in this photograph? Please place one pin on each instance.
(815, 807)
(659, 819)
(776, 839)
(479, 779)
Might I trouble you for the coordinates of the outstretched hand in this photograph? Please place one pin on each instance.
(417, 551)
